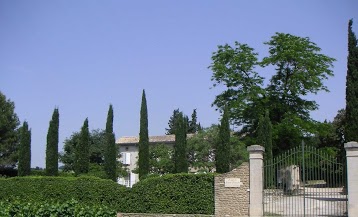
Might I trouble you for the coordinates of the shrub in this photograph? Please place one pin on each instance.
(86, 190)
(60, 173)
(69, 208)
(174, 193)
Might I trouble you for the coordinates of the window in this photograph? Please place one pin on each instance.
(126, 158)
(127, 181)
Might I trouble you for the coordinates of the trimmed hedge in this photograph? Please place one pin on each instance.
(70, 208)
(173, 193)
(85, 190)
(42, 173)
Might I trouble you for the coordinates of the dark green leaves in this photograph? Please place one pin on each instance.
(52, 145)
(9, 123)
(299, 69)
(143, 160)
(24, 167)
(351, 128)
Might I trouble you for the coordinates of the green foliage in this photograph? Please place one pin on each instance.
(174, 193)
(81, 164)
(160, 159)
(143, 155)
(201, 150)
(110, 154)
(86, 190)
(69, 208)
(264, 134)
(222, 149)
(24, 167)
(300, 70)
(9, 123)
(180, 149)
(97, 171)
(192, 126)
(351, 127)
(171, 123)
(35, 172)
(52, 145)
(97, 141)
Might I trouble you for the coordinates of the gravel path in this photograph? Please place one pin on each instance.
(318, 202)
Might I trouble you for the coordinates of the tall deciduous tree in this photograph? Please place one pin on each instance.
(180, 149)
(9, 123)
(201, 150)
(97, 141)
(110, 154)
(52, 145)
(300, 69)
(222, 153)
(24, 167)
(351, 129)
(264, 134)
(143, 161)
(160, 160)
(82, 151)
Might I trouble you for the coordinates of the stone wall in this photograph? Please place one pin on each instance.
(232, 196)
(160, 215)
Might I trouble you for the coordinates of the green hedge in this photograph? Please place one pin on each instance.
(70, 208)
(43, 173)
(86, 190)
(173, 193)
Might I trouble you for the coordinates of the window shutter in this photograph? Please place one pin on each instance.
(127, 159)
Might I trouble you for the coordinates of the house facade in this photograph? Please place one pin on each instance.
(128, 149)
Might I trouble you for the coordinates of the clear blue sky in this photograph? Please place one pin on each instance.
(83, 55)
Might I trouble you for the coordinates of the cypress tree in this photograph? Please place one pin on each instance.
(143, 161)
(52, 145)
(82, 151)
(264, 134)
(110, 154)
(264, 138)
(193, 125)
(222, 155)
(180, 149)
(24, 168)
(171, 123)
(351, 129)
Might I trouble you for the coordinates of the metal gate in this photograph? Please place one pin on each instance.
(304, 181)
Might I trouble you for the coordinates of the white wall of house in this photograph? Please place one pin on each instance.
(128, 149)
(129, 156)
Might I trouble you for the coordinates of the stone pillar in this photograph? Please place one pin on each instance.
(352, 177)
(256, 180)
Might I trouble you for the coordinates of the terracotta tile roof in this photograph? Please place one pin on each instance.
(152, 139)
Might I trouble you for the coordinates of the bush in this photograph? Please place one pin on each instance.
(60, 173)
(86, 190)
(174, 193)
(70, 208)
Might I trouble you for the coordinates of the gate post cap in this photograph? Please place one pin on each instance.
(351, 145)
(255, 148)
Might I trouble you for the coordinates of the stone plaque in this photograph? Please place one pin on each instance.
(232, 183)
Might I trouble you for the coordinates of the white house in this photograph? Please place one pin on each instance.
(128, 148)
